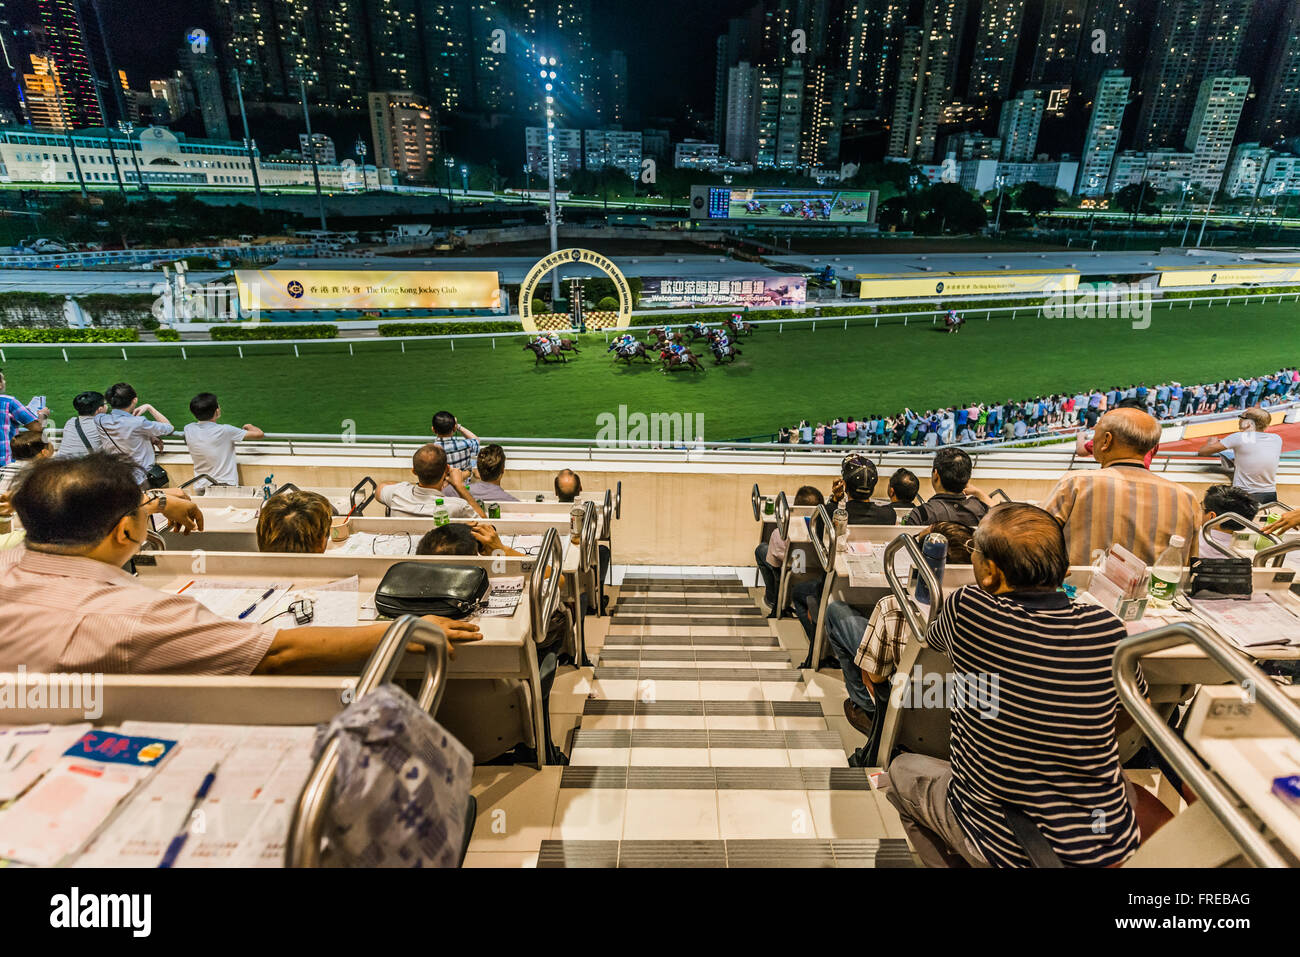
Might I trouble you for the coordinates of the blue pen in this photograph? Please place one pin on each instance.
(178, 842)
(249, 610)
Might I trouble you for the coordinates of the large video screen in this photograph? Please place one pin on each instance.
(672, 293)
(283, 289)
(813, 207)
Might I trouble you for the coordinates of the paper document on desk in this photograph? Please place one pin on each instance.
(503, 598)
(28, 751)
(243, 821)
(79, 794)
(231, 515)
(229, 599)
(866, 567)
(528, 544)
(372, 543)
(334, 603)
(1257, 622)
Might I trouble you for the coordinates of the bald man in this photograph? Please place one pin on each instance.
(435, 479)
(1123, 502)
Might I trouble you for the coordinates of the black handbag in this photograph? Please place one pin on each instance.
(1224, 576)
(425, 588)
(156, 476)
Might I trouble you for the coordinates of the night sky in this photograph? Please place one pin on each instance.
(669, 43)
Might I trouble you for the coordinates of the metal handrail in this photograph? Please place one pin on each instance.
(757, 501)
(824, 550)
(370, 495)
(782, 512)
(606, 515)
(199, 478)
(1175, 750)
(588, 536)
(1005, 496)
(286, 487)
(544, 590)
(1274, 553)
(1218, 520)
(302, 846)
(923, 569)
(618, 500)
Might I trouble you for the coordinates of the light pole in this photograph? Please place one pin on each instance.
(464, 179)
(1181, 199)
(127, 127)
(311, 147)
(1186, 226)
(997, 221)
(361, 149)
(248, 140)
(528, 184)
(450, 163)
(1207, 216)
(547, 71)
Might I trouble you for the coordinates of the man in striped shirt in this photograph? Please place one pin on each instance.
(1045, 743)
(1122, 502)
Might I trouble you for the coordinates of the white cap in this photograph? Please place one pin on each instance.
(1177, 541)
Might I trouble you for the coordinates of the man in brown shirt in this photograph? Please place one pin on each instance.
(1123, 502)
(67, 605)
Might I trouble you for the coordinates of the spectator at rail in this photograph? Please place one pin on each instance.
(27, 448)
(770, 555)
(1252, 453)
(491, 468)
(460, 444)
(954, 498)
(15, 416)
(1043, 740)
(435, 479)
(869, 645)
(1123, 502)
(211, 444)
(81, 434)
(66, 605)
(127, 431)
(1222, 500)
(904, 486)
(295, 522)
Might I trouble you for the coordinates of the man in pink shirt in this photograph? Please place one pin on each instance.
(66, 605)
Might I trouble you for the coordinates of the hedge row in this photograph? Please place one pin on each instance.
(270, 331)
(446, 328)
(69, 335)
(1232, 291)
(168, 335)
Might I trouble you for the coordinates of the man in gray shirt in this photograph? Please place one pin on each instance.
(81, 435)
(127, 431)
(491, 467)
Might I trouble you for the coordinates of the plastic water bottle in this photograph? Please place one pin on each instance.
(1167, 573)
(840, 522)
(440, 514)
(267, 487)
(934, 549)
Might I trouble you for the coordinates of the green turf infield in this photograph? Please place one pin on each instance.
(781, 378)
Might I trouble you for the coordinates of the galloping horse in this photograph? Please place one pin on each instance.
(662, 334)
(697, 330)
(723, 348)
(628, 348)
(673, 359)
(547, 349)
(739, 327)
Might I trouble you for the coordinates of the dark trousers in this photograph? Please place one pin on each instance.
(768, 574)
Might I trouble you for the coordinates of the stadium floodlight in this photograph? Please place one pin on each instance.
(548, 76)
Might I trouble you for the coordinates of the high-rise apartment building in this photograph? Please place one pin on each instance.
(1019, 124)
(1104, 126)
(1214, 126)
(997, 39)
(404, 128)
(68, 53)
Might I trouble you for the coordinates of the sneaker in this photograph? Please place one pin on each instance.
(858, 717)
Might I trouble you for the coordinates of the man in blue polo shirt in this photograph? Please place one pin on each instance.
(15, 416)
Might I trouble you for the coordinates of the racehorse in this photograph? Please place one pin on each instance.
(739, 327)
(676, 360)
(698, 330)
(660, 335)
(544, 351)
(628, 348)
(723, 348)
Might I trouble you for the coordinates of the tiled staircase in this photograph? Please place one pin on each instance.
(698, 744)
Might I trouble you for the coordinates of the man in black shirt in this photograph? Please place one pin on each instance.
(954, 498)
(854, 487)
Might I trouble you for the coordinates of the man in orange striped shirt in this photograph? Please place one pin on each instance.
(1123, 502)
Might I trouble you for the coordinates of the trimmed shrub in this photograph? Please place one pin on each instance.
(446, 328)
(168, 335)
(267, 330)
(540, 306)
(69, 335)
(607, 304)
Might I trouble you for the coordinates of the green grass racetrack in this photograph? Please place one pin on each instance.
(781, 378)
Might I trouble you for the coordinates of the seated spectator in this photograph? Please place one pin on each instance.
(568, 486)
(436, 479)
(868, 649)
(903, 489)
(13, 416)
(1222, 500)
(954, 498)
(297, 522)
(211, 445)
(66, 605)
(771, 554)
(1122, 502)
(127, 432)
(491, 467)
(27, 447)
(81, 435)
(1045, 740)
(462, 448)
(1253, 454)
(464, 538)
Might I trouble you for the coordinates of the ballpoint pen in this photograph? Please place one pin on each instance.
(249, 610)
(177, 843)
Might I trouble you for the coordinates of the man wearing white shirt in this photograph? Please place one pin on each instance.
(127, 431)
(436, 480)
(81, 435)
(212, 445)
(1254, 455)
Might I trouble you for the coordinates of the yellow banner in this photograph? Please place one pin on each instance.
(325, 289)
(1229, 276)
(917, 286)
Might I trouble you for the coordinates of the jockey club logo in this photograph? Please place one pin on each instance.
(939, 288)
(576, 255)
(1213, 277)
(295, 289)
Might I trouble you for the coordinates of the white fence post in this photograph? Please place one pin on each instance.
(295, 351)
(124, 353)
(453, 345)
(65, 354)
(241, 351)
(183, 355)
(403, 345)
(350, 349)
